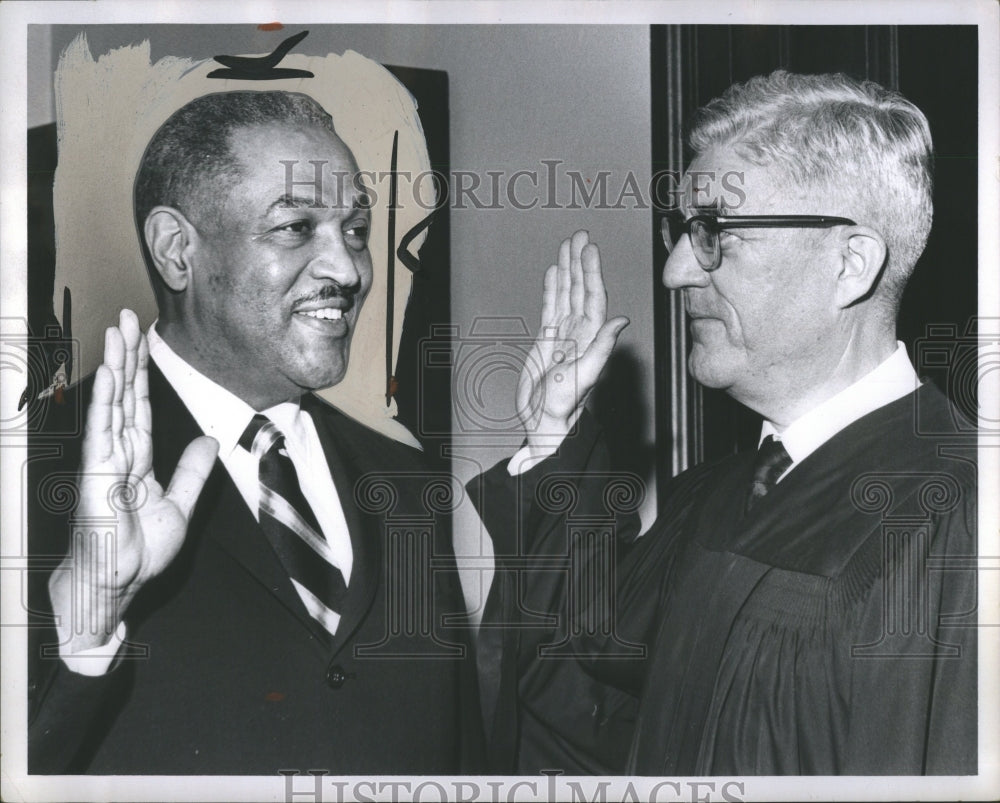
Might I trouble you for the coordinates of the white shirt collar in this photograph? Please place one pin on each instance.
(224, 416)
(890, 380)
(218, 412)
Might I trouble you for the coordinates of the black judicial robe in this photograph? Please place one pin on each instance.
(829, 631)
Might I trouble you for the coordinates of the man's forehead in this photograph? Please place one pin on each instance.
(298, 165)
(723, 181)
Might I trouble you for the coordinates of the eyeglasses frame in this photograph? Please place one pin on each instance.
(717, 223)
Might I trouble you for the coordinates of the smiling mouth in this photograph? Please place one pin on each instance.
(324, 314)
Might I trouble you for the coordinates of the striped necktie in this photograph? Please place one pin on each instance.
(772, 461)
(291, 527)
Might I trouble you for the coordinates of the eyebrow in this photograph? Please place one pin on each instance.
(287, 201)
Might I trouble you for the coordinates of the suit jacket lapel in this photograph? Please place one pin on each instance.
(349, 462)
(221, 514)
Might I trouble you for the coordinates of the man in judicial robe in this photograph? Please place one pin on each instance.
(805, 609)
(227, 555)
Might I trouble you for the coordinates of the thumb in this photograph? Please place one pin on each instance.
(599, 351)
(191, 473)
(612, 329)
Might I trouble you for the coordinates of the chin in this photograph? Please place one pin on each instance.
(712, 373)
(318, 381)
(317, 375)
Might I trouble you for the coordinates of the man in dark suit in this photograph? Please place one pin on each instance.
(807, 609)
(251, 581)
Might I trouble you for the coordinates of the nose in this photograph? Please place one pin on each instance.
(682, 269)
(335, 260)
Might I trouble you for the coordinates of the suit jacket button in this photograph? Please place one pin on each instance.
(335, 676)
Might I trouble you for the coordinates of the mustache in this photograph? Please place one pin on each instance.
(348, 292)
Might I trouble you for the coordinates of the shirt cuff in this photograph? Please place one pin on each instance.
(545, 446)
(523, 460)
(97, 660)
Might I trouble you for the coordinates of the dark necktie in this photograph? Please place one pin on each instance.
(291, 527)
(772, 461)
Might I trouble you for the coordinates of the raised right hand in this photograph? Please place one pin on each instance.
(116, 467)
(574, 343)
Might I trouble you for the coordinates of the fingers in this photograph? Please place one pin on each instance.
(570, 287)
(128, 325)
(114, 359)
(578, 243)
(98, 443)
(143, 414)
(595, 301)
(191, 473)
(113, 403)
(563, 280)
(549, 296)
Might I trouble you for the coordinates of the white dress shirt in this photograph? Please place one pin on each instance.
(224, 417)
(890, 380)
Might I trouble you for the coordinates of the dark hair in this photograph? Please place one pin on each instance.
(189, 159)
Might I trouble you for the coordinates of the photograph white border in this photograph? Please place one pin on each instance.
(16, 15)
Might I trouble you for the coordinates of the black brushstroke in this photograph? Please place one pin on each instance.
(67, 331)
(262, 68)
(390, 290)
(403, 253)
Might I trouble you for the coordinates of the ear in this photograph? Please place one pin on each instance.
(862, 257)
(170, 238)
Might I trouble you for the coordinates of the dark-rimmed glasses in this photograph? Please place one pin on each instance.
(704, 229)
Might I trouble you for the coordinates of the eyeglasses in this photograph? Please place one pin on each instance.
(704, 230)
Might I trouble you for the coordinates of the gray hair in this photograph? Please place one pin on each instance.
(867, 144)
